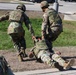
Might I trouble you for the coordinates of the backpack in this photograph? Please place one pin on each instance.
(54, 17)
(55, 25)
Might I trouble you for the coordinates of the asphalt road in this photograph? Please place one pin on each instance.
(64, 7)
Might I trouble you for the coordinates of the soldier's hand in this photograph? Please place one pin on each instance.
(58, 52)
(42, 37)
(30, 54)
(33, 37)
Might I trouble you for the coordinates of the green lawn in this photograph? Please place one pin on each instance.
(67, 37)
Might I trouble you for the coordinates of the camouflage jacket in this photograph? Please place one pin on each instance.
(40, 45)
(51, 20)
(23, 18)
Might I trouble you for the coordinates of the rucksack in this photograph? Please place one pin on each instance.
(55, 26)
(54, 17)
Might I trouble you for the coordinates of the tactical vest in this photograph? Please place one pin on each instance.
(15, 15)
(41, 45)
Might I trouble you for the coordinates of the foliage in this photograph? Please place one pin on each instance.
(66, 38)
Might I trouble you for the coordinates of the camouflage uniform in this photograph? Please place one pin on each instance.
(40, 51)
(52, 23)
(15, 29)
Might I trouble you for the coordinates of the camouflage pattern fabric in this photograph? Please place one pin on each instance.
(41, 52)
(18, 16)
(41, 45)
(52, 24)
(15, 15)
(17, 28)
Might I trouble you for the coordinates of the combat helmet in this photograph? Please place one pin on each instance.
(44, 4)
(22, 7)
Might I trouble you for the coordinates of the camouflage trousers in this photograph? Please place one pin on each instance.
(18, 42)
(45, 57)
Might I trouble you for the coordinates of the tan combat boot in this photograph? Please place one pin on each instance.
(68, 64)
(20, 55)
(20, 58)
(23, 52)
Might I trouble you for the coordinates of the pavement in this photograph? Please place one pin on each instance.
(64, 7)
(52, 71)
(70, 17)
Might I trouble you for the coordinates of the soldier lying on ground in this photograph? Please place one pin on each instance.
(40, 51)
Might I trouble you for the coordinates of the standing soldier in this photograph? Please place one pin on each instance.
(51, 25)
(15, 29)
(40, 51)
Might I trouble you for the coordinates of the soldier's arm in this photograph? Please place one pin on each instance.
(33, 48)
(44, 24)
(28, 25)
(31, 53)
(4, 17)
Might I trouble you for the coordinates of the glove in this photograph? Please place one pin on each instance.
(30, 54)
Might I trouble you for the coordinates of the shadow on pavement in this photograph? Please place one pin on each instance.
(69, 57)
(28, 59)
(72, 68)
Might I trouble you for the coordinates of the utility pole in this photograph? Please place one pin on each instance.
(56, 5)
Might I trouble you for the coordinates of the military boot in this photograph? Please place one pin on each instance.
(23, 52)
(68, 64)
(62, 62)
(20, 57)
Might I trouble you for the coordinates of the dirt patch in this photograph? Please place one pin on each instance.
(31, 64)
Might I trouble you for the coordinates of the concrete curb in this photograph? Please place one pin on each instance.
(70, 17)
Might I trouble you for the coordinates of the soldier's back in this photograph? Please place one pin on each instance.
(15, 15)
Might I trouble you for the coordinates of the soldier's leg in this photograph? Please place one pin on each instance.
(62, 62)
(15, 40)
(46, 58)
(49, 44)
(23, 46)
(17, 46)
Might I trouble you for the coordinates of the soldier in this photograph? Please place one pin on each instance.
(15, 29)
(51, 25)
(40, 51)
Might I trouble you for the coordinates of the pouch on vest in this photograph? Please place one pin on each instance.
(15, 15)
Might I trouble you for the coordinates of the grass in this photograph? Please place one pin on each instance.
(66, 38)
